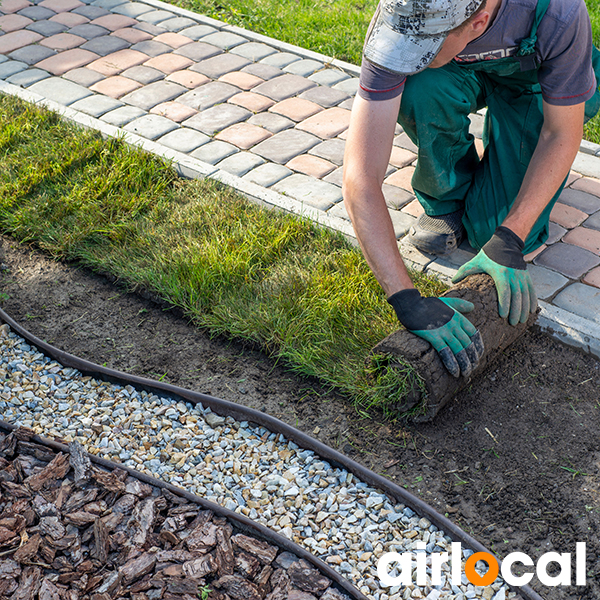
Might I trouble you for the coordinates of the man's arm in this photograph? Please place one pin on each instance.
(439, 321)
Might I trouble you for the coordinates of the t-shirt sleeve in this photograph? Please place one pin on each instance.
(376, 83)
(566, 75)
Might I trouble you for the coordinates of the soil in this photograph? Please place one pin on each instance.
(514, 460)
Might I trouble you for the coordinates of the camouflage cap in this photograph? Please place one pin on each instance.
(406, 35)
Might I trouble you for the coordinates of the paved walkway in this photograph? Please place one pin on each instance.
(267, 118)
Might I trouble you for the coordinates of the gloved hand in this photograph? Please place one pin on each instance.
(438, 320)
(502, 258)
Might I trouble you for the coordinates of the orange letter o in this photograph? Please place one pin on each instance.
(492, 571)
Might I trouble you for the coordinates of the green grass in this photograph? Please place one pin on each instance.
(302, 293)
(335, 28)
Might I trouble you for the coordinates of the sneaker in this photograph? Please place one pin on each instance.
(439, 235)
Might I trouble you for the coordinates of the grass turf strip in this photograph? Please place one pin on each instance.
(302, 292)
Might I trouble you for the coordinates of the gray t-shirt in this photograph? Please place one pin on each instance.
(564, 48)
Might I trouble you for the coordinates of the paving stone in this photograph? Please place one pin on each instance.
(263, 71)
(588, 185)
(326, 124)
(60, 90)
(107, 44)
(296, 109)
(545, 281)
(122, 116)
(143, 75)
(217, 66)
(32, 54)
(271, 122)
(91, 12)
(583, 201)
(116, 86)
(329, 76)
(89, 31)
(66, 61)
(59, 6)
(336, 177)
(12, 6)
(47, 28)
(413, 207)
(325, 96)
(173, 40)
(584, 238)
(572, 178)
(132, 9)
(348, 86)
(402, 158)
(320, 194)
(83, 76)
(14, 40)
(198, 31)
(556, 233)
(403, 141)
(214, 152)
(253, 102)
(401, 222)
(339, 211)
(284, 146)
(567, 216)
(150, 28)
(199, 52)
(37, 13)
(304, 67)
(217, 118)
(593, 222)
(208, 95)
(63, 41)
(14, 22)
(11, 67)
(244, 81)
(169, 63)
(174, 110)
(189, 79)
(151, 48)
(528, 258)
(280, 59)
(311, 165)
(153, 94)
(108, 4)
(28, 77)
(96, 105)
(177, 23)
(581, 299)
(586, 165)
(114, 63)
(396, 198)
(568, 260)
(184, 140)
(243, 135)
(330, 150)
(284, 87)
(155, 17)
(267, 174)
(593, 277)
(241, 163)
(132, 35)
(254, 51)
(151, 127)
(225, 40)
(401, 178)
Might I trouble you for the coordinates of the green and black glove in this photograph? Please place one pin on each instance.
(440, 322)
(502, 259)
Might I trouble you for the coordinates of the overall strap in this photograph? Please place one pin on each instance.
(527, 47)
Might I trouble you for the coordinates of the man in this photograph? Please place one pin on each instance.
(428, 64)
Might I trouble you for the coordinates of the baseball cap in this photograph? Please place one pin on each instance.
(406, 35)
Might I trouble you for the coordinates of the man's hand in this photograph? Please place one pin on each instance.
(502, 259)
(440, 322)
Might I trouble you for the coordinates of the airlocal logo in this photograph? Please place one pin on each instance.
(405, 566)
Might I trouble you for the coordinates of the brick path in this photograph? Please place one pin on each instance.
(267, 118)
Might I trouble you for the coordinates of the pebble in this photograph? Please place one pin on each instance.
(241, 466)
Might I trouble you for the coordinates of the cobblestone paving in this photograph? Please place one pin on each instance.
(256, 112)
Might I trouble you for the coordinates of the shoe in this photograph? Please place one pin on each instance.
(439, 235)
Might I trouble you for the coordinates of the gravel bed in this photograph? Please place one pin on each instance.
(240, 466)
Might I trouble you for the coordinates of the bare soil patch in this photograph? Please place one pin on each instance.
(514, 460)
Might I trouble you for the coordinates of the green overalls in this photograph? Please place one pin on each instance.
(434, 112)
